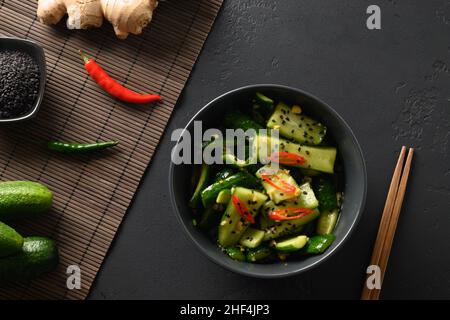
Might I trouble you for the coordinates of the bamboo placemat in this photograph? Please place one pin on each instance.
(92, 192)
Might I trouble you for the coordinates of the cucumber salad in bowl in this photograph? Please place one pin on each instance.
(284, 204)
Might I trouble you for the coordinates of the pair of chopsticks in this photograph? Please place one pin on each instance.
(388, 224)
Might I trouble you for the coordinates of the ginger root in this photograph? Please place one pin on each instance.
(126, 16)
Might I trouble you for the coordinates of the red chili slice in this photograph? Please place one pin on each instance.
(287, 188)
(287, 158)
(282, 214)
(241, 208)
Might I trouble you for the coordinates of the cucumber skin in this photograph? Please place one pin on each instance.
(38, 256)
(201, 184)
(235, 254)
(326, 194)
(223, 174)
(318, 244)
(264, 100)
(258, 254)
(10, 240)
(23, 199)
(238, 120)
(242, 179)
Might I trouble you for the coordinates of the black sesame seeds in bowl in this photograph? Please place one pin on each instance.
(22, 79)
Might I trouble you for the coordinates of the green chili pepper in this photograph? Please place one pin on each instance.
(70, 147)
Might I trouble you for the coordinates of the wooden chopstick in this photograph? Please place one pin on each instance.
(389, 220)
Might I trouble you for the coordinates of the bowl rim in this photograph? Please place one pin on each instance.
(323, 257)
(39, 55)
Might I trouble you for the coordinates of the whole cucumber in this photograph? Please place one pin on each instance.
(10, 240)
(38, 256)
(22, 199)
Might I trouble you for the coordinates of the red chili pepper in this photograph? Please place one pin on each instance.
(112, 86)
(282, 214)
(287, 188)
(287, 158)
(241, 208)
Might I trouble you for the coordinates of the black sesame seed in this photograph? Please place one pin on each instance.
(19, 83)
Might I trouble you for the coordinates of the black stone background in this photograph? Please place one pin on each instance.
(391, 85)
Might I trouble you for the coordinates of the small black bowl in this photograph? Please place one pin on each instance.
(349, 152)
(37, 52)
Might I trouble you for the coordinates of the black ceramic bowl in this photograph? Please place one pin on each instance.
(37, 52)
(349, 152)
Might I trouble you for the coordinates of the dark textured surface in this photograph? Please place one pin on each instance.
(392, 87)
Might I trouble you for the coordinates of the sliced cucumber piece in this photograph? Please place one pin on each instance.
(241, 178)
(327, 221)
(288, 227)
(307, 198)
(235, 253)
(297, 127)
(232, 225)
(317, 158)
(224, 196)
(264, 100)
(201, 185)
(280, 178)
(252, 238)
(258, 254)
(318, 244)
(292, 245)
(326, 193)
